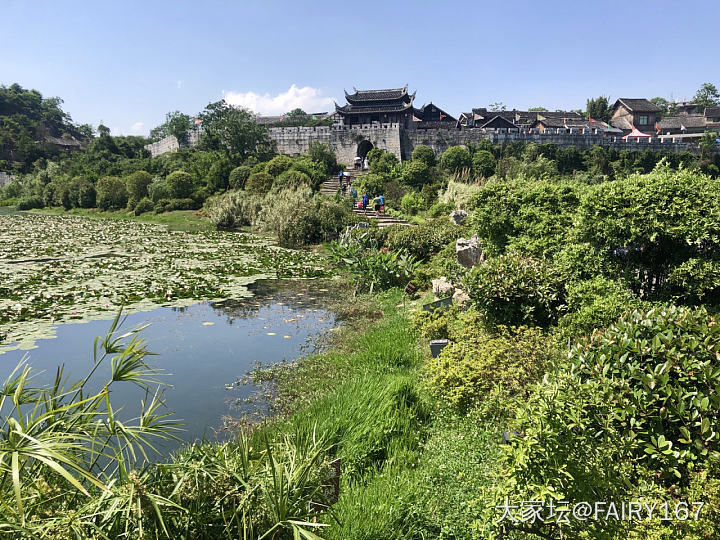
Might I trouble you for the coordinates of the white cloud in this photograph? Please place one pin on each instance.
(179, 84)
(306, 98)
(137, 128)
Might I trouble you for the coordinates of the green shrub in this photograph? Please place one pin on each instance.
(218, 175)
(168, 205)
(469, 370)
(372, 184)
(278, 165)
(259, 182)
(424, 154)
(422, 241)
(594, 304)
(456, 159)
(516, 290)
(111, 193)
(440, 210)
(238, 176)
(180, 185)
(291, 179)
(29, 203)
(137, 184)
(695, 281)
(315, 171)
(412, 203)
(144, 205)
(415, 174)
(632, 412)
(158, 189)
(483, 163)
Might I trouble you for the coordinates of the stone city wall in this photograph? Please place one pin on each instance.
(440, 140)
(343, 140)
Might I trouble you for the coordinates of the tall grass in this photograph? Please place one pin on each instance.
(71, 467)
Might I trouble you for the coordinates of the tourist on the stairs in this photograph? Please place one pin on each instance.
(358, 163)
(376, 206)
(366, 164)
(353, 194)
(365, 202)
(381, 197)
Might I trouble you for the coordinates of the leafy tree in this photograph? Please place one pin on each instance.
(180, 185)
(218, 177)
(598, 108)
(667, 108)
(415, 174)
(424, 154)
(323, 155)
(81, 193)
(707, 96)
(137, 184)
(233, 131)
(497, 106)
(238, 176)
(111, 193)
(538, 109)
(455, 159)
(483, 163)
(176, 124)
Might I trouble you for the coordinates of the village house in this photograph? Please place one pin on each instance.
(635, 114)
(431, 116)
(576, 125)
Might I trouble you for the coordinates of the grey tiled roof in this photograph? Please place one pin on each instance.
(638, 105)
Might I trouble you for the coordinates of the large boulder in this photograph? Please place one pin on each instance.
(442, 287)
(460, 297)
(468, 252)
(458, 216)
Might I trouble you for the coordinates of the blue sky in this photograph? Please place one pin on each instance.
(126, 63)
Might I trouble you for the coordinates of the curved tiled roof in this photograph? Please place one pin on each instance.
(392, 94)
(373, 108)
(638, 105)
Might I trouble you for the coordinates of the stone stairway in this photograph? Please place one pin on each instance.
(383, 220)
(331, 186)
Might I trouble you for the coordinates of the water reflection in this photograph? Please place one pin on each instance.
(204, 348)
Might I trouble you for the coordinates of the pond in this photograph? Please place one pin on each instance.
(203, 348)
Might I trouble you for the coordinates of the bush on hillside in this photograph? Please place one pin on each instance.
(372, 184)
(422, 241)
(424, 154)
(259, 183)
(415, 174)
(291, 179)
(278, 165)
(238, 176)
(631, 413)
(472, 368)
(483, 163)
(456, 159)
(516, 290)
(233, 209)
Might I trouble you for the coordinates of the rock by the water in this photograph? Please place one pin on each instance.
(468, 252)
(442, 287)
(458, 216)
